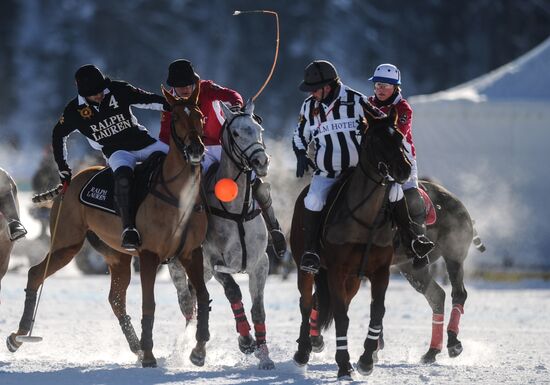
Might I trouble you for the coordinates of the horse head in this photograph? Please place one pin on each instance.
(242, 139)
(384, 147)
(187, 125)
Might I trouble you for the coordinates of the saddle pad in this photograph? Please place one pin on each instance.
(99, 191)
(431, 216)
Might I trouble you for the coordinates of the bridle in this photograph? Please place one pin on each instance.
(192, 136)
(237, 154)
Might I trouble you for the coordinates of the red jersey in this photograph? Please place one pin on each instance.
(209, 97)
(404, 117)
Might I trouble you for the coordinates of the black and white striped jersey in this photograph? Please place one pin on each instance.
(334, 130)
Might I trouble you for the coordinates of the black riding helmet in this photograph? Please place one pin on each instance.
(90, 80)
(181, 74)
(318, 74)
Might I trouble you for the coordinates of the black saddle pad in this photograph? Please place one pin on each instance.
(99, 191)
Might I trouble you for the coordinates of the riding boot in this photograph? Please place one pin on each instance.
(262, 194)
(416, 246)
(417, 212)
(124, 178)
(9, 209)
(310, 261)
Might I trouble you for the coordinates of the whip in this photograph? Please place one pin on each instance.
(236, 13)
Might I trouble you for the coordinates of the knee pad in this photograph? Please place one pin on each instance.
(415, 203)
(262, 192)
(313, 202)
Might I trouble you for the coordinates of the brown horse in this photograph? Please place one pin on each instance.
(6, 245)
(356, 238)
(170, 219)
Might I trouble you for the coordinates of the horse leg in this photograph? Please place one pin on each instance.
(120, 280)
(148, 263)
(305, 286)
(247, 345)
(195, 271)
(187, 297)
(337, 283)
(459, 295)
(379, 284)
(423, 282)
(256, 285)
(57, 260)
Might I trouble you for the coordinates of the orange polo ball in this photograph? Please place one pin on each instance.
(226, 189)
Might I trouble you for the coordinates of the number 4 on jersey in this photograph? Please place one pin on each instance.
(113, 103)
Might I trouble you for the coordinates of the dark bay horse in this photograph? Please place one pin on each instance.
(7, 184)
(169, 223)
(452, 232)
(357, 237)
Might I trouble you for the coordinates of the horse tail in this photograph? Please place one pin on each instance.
(324, 306)
(48, 195)
(477, 242)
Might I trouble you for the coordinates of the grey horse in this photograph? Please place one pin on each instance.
(7, 187)
(236, 239)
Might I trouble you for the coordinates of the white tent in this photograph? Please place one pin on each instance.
(488, 141)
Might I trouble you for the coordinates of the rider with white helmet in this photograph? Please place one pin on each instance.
(387, 95)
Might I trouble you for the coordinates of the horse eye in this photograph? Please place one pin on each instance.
(235, 134)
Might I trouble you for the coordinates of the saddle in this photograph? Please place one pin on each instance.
(431, 215)
(339, 225)
(99, 191)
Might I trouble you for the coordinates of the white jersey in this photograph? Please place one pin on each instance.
(334, 130)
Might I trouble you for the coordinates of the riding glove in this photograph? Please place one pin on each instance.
(303, 163)
(65, 176)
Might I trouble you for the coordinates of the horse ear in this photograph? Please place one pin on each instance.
(226, 111)
(249, 107)
(168, 96)
(195, 95)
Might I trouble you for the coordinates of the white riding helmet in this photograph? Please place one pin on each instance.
(386, 73)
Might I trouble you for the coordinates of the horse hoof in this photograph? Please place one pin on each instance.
(301, 358)
(317, 344)
(247, 345)
(364, 366)
(454, 351)
(12, 344)
(151, 363)
(429, 357)
(262, 353)
(197, 356)
(344, 374)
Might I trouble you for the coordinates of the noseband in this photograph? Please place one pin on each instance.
(237, 154)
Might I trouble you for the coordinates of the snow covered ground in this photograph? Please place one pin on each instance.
(505, 332)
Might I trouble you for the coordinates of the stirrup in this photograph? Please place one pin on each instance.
(130, 239)
(279, 242)
(310, 262)
(16, 230)
(421, 246)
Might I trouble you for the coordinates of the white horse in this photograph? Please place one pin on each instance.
(7, 186)
(237, 237)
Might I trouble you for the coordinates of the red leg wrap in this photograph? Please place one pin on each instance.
(313, 326)
(260, 332)
(243, 327)
(437, 331)
(457, 311)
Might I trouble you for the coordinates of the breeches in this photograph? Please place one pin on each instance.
(318, 191)
(130, 158)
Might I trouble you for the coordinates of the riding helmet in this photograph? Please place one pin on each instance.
(318, 74)
(90, 80)
(386, 73)
(181, 74)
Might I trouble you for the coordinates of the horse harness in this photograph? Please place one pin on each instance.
(239, 158)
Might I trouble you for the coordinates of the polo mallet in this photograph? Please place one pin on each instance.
(236, 13)
(30, 338)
